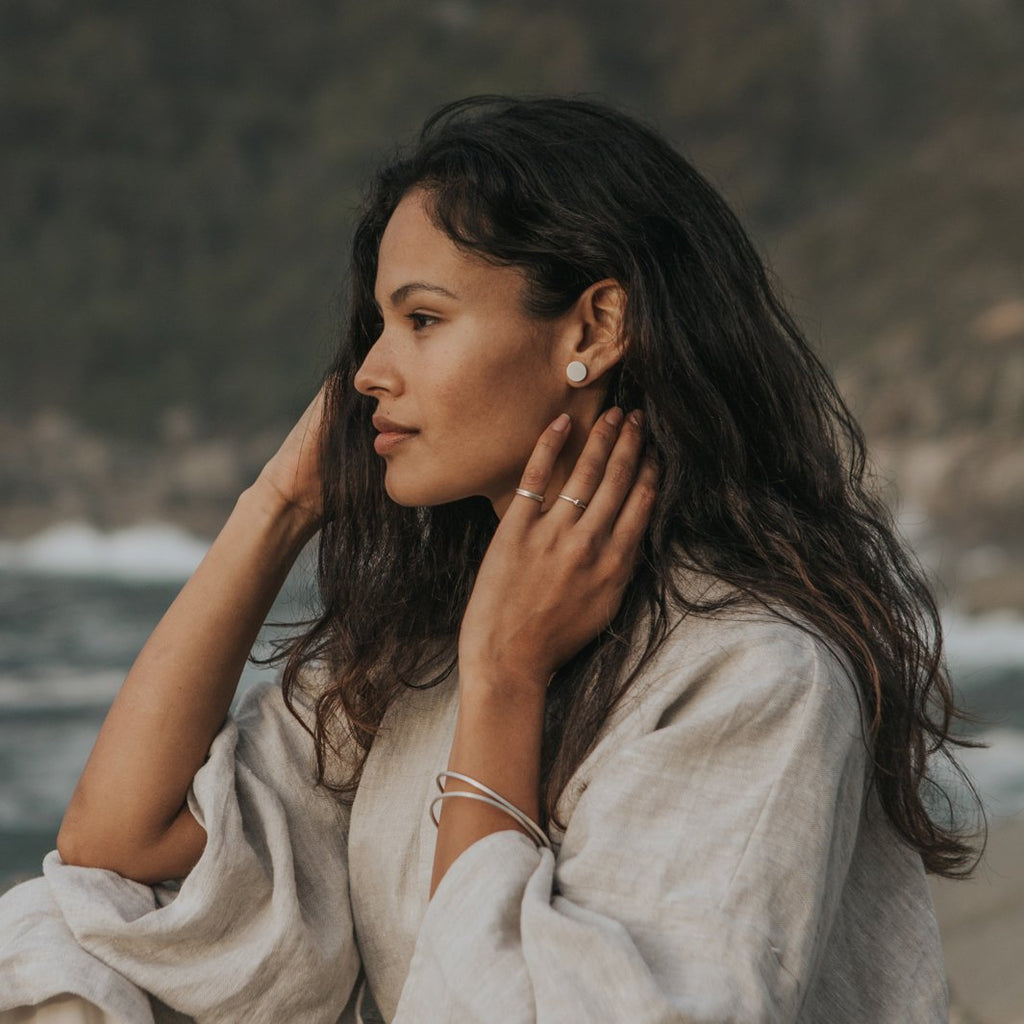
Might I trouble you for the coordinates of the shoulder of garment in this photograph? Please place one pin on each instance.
(717, 862)
(731, 677)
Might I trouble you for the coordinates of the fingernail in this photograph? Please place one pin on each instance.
(637, 417)
(562, 423)
(613, 416)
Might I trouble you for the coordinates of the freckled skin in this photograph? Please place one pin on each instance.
(477, 377)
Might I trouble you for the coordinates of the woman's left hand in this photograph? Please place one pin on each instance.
(553, 578)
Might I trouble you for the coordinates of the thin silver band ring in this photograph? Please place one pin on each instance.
(581, 505)
(532, 495)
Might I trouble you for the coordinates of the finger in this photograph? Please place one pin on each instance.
(592, 463)
(632, 521)
(618, 477)
(537, 474)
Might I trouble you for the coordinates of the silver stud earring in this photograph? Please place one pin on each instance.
(576, 371)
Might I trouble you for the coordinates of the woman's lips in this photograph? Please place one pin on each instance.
(387, 440)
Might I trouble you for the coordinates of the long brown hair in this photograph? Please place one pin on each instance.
(762, 465)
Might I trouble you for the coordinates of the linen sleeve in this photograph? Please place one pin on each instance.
(699, 870)
(261, 928)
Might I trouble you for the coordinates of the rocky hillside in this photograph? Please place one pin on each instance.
(179, 182)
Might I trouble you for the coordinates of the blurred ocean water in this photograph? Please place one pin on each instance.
(76, 606)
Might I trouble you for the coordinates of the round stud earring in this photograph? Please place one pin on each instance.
(576, 371)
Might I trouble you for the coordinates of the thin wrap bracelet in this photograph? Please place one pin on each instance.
(489, 796)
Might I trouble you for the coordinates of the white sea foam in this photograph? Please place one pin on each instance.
(66, 687)
(147, 552)
(60, 687)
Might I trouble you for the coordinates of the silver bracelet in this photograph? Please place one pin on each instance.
(484, 800)
(506, 805)
(495, 800)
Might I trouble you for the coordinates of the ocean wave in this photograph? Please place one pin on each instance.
(64, 688)
(997, 770)
(996, 638)
(39, 763)
(60, 688)
(148, 552)
(162, 552)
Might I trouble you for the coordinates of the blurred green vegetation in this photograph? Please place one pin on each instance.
(179, 179)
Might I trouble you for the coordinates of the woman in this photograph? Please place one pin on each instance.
(675, 676)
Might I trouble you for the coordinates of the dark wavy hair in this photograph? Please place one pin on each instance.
(762, 465)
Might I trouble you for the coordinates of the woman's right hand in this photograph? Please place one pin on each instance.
(293, 473)
(129, 812)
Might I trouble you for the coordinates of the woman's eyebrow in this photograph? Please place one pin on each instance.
(402, 293)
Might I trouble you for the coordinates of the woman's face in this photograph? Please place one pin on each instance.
(464, 380)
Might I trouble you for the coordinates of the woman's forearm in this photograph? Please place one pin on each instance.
(497, 741)
(130, 798)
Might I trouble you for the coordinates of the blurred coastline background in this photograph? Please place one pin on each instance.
(179, 184)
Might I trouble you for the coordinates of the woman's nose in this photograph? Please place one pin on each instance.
(377, 374)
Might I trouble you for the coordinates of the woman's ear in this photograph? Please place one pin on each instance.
(597, 339)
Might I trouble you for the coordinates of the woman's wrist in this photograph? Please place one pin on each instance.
(291, 523)
(503, 694)
(500, 683)
(497, 742)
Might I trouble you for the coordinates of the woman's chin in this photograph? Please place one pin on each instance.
(410, 495)
(399, 496)
(421, 494)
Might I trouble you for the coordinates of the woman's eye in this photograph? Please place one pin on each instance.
(421, 320)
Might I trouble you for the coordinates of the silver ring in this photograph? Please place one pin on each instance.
(581, 505)
(530, 494)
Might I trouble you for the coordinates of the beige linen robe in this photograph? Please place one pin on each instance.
(724, 860)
